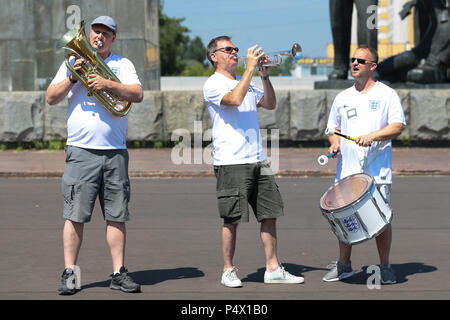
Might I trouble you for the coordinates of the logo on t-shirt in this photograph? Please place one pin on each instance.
(374, 105)
(116, 71)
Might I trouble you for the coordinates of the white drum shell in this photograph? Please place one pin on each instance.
(362, 220)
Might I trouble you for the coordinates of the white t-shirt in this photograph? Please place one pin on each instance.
(356, 114)
(89, 124)
(235, 130)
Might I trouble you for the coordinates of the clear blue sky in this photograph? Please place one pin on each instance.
(273, 24)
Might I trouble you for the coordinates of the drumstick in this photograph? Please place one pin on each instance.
(330, 132)
(323, 159)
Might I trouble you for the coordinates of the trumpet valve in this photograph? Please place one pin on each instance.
(270, 61)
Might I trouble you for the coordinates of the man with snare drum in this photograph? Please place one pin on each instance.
(243, 174)
(371, 112)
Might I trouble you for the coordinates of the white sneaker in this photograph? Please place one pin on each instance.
(281, 276)
(230, 278)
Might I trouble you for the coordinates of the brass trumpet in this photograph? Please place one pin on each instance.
(276, 59)
(75, 41)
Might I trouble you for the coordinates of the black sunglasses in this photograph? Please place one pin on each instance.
(360, 61)
(227, 49)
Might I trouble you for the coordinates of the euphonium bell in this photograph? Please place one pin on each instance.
(76, 43)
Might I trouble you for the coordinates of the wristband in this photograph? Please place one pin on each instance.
(72, 80)
(265, 77)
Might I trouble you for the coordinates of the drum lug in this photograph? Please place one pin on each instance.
(343, 230)
(381, 194)
(363, 225)
(332, 225)
(374, 201)
(333, 228)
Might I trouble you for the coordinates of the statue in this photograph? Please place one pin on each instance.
(341, 25)
(429, 60)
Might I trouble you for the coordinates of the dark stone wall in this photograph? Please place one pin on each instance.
(301, 115)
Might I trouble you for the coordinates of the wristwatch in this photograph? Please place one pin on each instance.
(72, 80)
(265, 77)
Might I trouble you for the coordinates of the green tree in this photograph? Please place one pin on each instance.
(179, 54)
(194, 59)
(195, 50)
(172, 43)
(196, 69)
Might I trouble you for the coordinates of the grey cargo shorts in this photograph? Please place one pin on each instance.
(90, 173)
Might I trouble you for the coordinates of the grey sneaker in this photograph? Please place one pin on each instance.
(281, 276)
(230, 278)
(339, 271)
(67, 284)
(122, 281)
(387, 274)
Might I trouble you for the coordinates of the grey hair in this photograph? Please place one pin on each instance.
(212, 46)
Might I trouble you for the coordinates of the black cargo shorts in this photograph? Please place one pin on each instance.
(243, 184)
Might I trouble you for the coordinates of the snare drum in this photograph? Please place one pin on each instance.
(356, 209)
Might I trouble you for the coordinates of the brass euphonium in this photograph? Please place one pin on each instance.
(76, 42)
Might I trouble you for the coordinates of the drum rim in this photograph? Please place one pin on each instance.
(353, 203)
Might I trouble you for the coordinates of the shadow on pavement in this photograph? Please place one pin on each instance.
(294, 269)
(151, 277)
(402, 271)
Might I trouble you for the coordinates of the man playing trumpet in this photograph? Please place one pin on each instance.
(96, 155)
(243, 174)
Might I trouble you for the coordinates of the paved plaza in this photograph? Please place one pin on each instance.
(174, 251)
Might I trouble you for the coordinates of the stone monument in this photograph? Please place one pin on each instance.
(428, 61)
(30, 29)
(341, 26)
